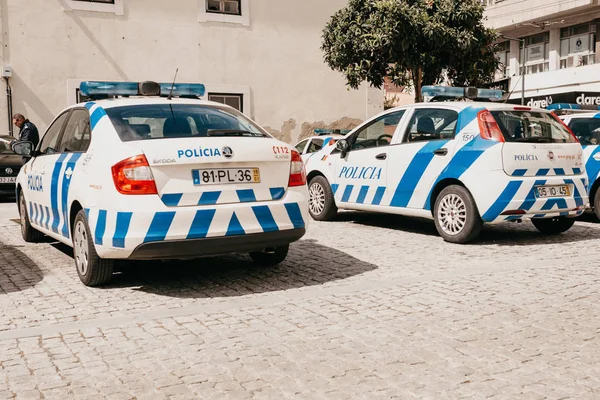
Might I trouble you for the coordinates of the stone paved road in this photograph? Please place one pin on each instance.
(369, 306)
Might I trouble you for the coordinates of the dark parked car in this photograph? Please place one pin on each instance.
(10, 164)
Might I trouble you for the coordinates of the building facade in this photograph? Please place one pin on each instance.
(550, 46)
(260, 56)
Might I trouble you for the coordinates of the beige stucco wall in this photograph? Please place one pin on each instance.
(277, 58)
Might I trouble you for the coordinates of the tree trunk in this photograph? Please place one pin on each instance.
(418, 79)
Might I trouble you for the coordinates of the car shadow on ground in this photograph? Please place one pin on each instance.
(308, 264)
(506, 234)
(17, 271)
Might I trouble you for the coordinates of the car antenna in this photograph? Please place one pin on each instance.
(173, 85)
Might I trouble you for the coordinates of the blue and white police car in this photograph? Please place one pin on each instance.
(462, 163)
(586, 127)
(147, 177)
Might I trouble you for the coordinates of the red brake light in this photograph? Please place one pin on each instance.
(565, 126)
(297, 173)
(488, 127)
(133, 176)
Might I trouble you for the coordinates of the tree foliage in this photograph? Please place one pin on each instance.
(412, 42)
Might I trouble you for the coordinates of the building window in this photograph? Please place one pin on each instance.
(104, 6)
(234, 100)
(503, 56)
(232, 7)
(537, 53)
(578, 45)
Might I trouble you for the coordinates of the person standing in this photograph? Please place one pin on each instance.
(28, 131)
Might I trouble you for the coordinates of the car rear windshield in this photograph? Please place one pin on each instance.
(587, 130)
(531, 127)
(164, 121)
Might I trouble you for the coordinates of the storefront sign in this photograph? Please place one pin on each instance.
(587, 100)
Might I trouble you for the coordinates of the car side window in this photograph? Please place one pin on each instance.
(49, 143)
(379, 132)
(77, 134)
(431, 124)
(315, 145)
(300, 146)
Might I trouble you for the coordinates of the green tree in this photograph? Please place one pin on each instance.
(413, 42)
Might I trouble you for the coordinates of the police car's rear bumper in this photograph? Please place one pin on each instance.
(174, 249)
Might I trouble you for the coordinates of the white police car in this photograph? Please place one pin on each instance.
(462, 163)
(586, 127)
(160, 178)
(314, 144)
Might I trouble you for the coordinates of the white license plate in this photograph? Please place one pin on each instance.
(553, 191)
(215, 176)
(8, 180)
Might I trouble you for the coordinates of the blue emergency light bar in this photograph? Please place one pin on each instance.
(468, 92)
(96, 88)
(321, 132)
(563, 106)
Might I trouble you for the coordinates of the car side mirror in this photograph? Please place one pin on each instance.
(24, 149)
(343, 146)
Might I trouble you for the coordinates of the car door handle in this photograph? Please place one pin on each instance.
(440, 152)
(381, 156)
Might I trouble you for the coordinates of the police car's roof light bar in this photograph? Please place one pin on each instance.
(564, 106)
(148, 88)
(461, 92)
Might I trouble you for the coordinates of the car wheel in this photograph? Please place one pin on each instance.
(321, 203)
(92, 270)
(269, 258)
(456, 217)
(29, 233)
(597, 203)
(553, 226)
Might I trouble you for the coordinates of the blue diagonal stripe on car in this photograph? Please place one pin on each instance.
(66, 184)
(97, 116)
(592, 167)
(35, 213)
(576, 171)
(47, 219)
(89, 105)
(519, 172)
(334, 188)
(235, 227)
(502, 201)
(123, 222)
(530, 198)
(561, 203)
(100, 228)
(41, 215)
(54, 192)
(159, 227)
(246, 195)
(295, 215)
(414, 173)
(542, 172)
(362, 195)
(576, 194)
(209, 198)
(277, 193)
(378, 196)
(201, 224)
(265, 218)
(347, 193)
(172, 199)
(559, 171)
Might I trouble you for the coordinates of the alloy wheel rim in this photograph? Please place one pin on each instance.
(452, 214)
(80, 248)
(316, 199)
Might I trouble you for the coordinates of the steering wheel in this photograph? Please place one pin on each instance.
(384, 136)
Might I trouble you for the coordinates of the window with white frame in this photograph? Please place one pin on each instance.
(231, 99)
(232, 7)
(537, 53)
(503, 56)
(97, 1)
(578, 45)
(105, 6)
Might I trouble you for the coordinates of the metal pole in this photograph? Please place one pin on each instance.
(523, 74)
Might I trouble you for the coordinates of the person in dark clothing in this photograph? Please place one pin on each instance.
(28, 131)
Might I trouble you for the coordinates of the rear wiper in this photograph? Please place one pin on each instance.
(231, 132)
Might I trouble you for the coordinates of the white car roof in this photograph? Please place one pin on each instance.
(582, 115)
(136, 101)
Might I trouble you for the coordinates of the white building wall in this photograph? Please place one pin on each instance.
(273, 57)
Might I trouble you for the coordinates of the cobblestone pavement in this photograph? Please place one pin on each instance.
(370, 306)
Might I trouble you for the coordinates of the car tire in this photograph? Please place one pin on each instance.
(29, 233)
(456, 217)
(321, 202)
(553, 226)
(92, 270)
(597, 203)
(270, 258)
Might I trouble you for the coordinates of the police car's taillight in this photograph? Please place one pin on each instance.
(297, 173)
(133, 176)
(488, 127)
